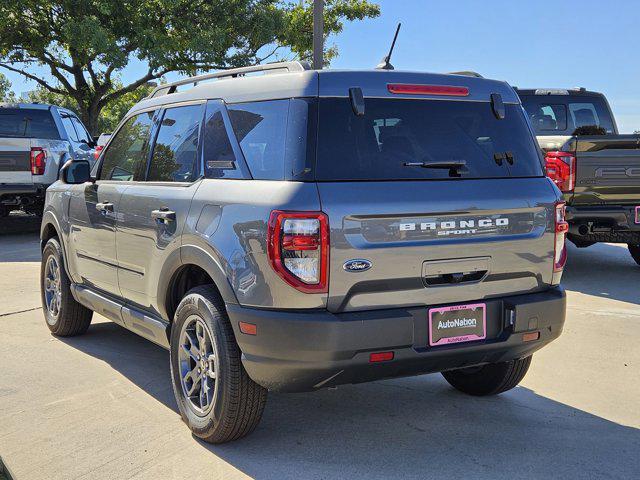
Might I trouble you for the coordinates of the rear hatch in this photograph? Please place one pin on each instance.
(20, 129)
(404, 233)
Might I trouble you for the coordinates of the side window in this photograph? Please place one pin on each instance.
(68, 126)
(219, 159)
(175, 153)
(81, 132)
(126, 157)
(260, 128)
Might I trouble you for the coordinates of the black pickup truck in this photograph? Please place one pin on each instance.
(597, 169)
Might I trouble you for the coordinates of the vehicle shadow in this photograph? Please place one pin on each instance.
(20, 248)
(604, 270)
(19, 223)
(403, 428)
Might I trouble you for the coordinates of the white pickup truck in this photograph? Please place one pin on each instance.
(35, 141)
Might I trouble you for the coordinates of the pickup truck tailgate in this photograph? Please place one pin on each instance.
(15, 166)
(607, 169)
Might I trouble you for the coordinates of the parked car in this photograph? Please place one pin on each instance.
(102, 141)
(596, 168)
(35, 141)
(304, 229)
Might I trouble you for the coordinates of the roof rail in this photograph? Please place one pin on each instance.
(467, 73)
(268, 68)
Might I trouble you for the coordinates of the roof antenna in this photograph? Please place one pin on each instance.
(384, 63)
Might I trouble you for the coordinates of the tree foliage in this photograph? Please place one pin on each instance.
(84, 44)
(6, 95)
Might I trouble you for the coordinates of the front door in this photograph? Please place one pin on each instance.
(154, 211)
(95, 209)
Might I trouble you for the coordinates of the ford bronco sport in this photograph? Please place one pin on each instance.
(281, 228)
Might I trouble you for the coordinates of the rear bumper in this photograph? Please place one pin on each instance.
(302, 350)
(593, 223)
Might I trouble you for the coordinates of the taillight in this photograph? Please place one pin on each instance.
(38, 161)
(561, 229)
(97, 151)
(412, 89)
(561, 168)
(298, 249)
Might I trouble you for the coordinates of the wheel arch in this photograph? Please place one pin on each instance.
(193, 266)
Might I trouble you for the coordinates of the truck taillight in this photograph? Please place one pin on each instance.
(38, 161)
(561, 229)
(561, 168)
(298, 249)
(97, 151)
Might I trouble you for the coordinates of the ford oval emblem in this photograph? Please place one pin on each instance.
(357, 265)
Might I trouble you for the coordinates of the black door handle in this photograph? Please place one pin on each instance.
(163, 215)
(104, 207)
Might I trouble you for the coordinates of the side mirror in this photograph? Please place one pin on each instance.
(75, 172)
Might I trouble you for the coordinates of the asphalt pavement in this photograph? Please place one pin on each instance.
(100, 406)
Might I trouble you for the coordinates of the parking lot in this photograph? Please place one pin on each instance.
(101, 405)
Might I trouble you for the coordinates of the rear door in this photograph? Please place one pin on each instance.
(427, 233)
(153, 211)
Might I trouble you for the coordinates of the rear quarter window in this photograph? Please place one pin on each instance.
(261, 128)
(27, 123)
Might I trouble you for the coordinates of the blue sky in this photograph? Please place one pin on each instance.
(544, 43)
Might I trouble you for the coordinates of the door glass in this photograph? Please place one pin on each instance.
(68, 126)
(175, 153)
(81, 132)
(126, 157)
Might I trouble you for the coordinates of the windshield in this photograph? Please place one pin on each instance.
(400, 139)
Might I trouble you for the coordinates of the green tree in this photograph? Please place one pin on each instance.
(6, 95)
(85, 44)
(110, 115)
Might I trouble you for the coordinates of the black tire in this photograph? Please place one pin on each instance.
(237, 401)
(634, 250)
(490, 379)
(72, 318)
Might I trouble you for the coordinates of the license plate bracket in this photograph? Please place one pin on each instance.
(457, 324)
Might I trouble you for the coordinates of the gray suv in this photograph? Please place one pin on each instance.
(281, 228)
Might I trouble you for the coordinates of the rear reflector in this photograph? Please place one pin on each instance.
(248, 328)
(409, 89)
(38, 160)
(380, 357)
(561, 229)
(530, 337)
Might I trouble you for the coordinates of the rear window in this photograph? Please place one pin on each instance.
(563, 114)
(394, 133)
(27, 123)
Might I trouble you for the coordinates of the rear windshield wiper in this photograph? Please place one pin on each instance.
(454, 166)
